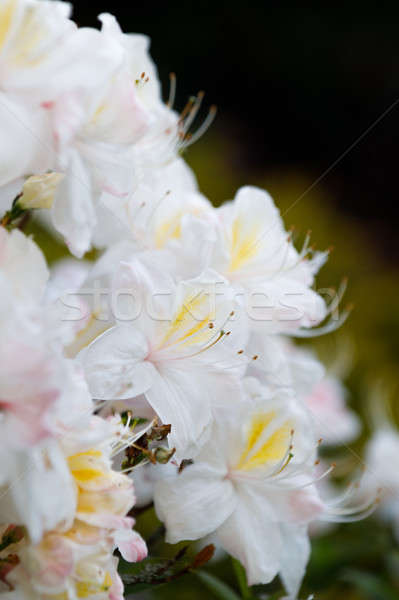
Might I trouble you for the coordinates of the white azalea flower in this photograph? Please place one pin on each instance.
(42, 395)
(335, 422)
(179, 336)
(107, 158)
(74, 557)
(254, 253)
(44, 59)
(252, 484)
(281, 363)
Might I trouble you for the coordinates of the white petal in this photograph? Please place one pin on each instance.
(194, 504)
(41, 475)
(73, 211)
(252, 535)
(294, 557)
(114, 364)
(25, 140)
(23, 265)
(179, 400)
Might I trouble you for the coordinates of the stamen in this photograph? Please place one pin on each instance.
(203, 128)
(323, 330)
(355, 513)
(186, 110)
(129, 439)
(172, 90)
(193, 112)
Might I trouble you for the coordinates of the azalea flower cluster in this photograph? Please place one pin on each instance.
(184, 320)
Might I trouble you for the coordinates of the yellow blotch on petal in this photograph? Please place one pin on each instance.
(31, 33)
(7, 10)
(184, 318)
(262, 449)
(86, 589)
(85, 466)
(170, 229)
(243, 243)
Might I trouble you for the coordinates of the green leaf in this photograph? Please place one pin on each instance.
(242, 579)
(216, 586)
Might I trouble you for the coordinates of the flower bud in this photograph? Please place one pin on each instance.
(38, 191)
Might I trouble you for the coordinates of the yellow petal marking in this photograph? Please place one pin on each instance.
(84, 466)
(85, 589)
(183, 318)
(30, 34)
(170, 229)
(272, 450)
(243, 244)
(6, 15)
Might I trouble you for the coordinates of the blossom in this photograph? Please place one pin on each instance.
(252, 484)
(97, 150)
(41, 395)
(281, 363)
(44, 57)
(180, 333)
(255, 253)
(180, 320)
(336, 423)
(74, 559)
(38, 191)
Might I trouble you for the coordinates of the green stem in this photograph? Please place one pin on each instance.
(241, 579)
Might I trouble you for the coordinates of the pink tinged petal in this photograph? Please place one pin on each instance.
(252, 535)
(67, 116)
(131, 545)
(117, 589)
(335, 422)
(56, 561)
(305, 505)
(195, 503)
(30, 415)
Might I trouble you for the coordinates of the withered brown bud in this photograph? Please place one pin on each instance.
(159, 432)
(163, 455)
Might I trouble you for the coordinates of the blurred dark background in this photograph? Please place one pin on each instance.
(296, 84)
